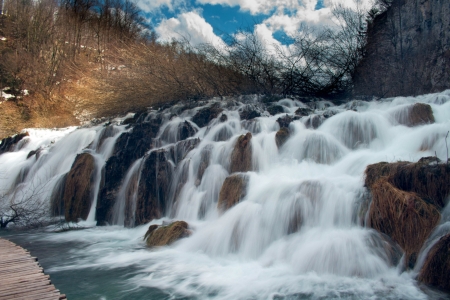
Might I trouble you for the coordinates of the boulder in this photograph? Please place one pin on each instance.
(9, 144)
(282, 136)
(275, 109)
(241, 157)
(417, 114)
(158, 236)
(436, 268)
(249, 114)
(204, 163)
(403, 216)
(205, 115)
(153, 187)
(129, 147)
(314, 121)
(78, 188)
(233, 190)
(285, 121)
(303, 111)
(179, 151)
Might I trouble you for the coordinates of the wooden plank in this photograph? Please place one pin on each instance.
(22, 276)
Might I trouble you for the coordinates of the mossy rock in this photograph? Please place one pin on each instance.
(158, 236)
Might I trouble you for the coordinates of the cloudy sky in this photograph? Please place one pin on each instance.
(211, 21)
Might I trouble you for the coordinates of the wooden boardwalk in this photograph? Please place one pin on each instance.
(21, 277)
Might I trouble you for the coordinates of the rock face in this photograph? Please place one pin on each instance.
(406, 200)
(436, 269)
(129, 147)
(153, 187)
(233, 190)
(78, 188)
(408, 51)
(241, 157)
(8, 144)
(166, 235)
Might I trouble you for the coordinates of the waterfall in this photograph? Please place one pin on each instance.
(299, 219)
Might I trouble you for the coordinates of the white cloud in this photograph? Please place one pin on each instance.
(152, 5)
(256, 6)
(190, 26)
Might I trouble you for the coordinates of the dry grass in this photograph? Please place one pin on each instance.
(425, 178)
(403, 216)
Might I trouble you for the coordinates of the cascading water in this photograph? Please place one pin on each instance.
(297, 232)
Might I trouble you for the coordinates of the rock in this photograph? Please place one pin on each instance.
(420, 114)
(205, 115)
(233, 191)
(182, 148)
(57, 197)
(10, 144)
(204, 163)
(285, 121)
(107, 132)
(282, 136)
(415, 115)
(186, 130)
(303, 111)
(275, 109)
(314, 121)
(426, 178)
(249, 114)
(241, 157)
(129, 147)
(436, 268)
(166, 235)
(403, 216)
(78, 188)
(173, 133)
(223, 118)
(153, 187)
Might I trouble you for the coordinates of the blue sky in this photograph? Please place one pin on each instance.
(211, 21)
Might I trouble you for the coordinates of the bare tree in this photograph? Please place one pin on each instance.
(24, 207)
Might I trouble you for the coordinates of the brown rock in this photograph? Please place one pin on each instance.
(418, 114)
(166, 235)
(282, 136)
(241, 157)
(233, 190)
(436, 269)
(78, 188)
(403, 216)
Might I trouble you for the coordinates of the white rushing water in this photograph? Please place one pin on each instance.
(297, 233)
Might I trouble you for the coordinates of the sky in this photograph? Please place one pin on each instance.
(213, 21)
